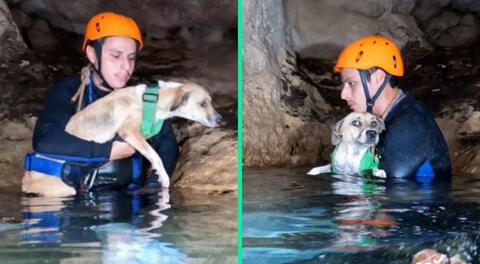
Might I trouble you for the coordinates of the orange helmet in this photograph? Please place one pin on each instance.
(111, 24)
(371, 51)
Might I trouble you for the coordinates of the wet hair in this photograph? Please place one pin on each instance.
(393, 80)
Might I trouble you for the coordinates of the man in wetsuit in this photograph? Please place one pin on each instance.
(111, 44)
(412, 145)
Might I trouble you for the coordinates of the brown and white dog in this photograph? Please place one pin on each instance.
(120, 113)
(354, 135)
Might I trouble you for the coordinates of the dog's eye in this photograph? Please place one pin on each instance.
(374, 124)
(356, 123)
(203, 104)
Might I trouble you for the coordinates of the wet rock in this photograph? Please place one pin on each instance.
(15, 142)
(325, 40)
(282, 113)
(208, 161)
(203, 21)
(370, 8)
(451, 29)
(11, 42)
(425, 10)
(403, 6)
(40, 36)
(466, 5)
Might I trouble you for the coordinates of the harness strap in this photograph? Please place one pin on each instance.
(37, 162)
(371, 100)
(149, 127)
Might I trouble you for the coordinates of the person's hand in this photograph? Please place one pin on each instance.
(121, 150)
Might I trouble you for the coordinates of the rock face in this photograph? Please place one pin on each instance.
(208, 161)
(344, 21)
(277, 127)
(161, 21)
(15, 142)
(11, 42)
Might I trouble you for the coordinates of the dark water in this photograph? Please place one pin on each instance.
(290, 217)
(115, 227)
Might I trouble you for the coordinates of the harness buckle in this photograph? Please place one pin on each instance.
(150, 97)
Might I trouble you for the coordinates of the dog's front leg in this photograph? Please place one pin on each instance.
(379, 173)
(319, 170)
(136, 140)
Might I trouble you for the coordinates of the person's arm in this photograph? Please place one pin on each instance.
(165, 144)
(49, 135)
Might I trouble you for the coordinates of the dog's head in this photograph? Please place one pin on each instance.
(358, 128)
(193, 102)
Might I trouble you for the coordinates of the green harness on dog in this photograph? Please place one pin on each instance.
(367, 164)
(149, 128)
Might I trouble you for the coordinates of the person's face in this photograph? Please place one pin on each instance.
(118, 60)
(352, 90)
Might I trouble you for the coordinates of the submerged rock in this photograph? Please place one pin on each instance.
(208, 162)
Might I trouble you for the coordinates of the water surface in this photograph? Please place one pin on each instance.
(116, 227)
(291, 217)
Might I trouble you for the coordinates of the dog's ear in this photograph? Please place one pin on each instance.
(381, 123)
(180, 98)
(337, 133)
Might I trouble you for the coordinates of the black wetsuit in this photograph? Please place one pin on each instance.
(412, 139)
(50, 137)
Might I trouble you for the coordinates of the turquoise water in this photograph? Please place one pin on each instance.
(290, 217)
(115, 227)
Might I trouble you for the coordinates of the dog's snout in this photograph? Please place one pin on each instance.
(371, 133)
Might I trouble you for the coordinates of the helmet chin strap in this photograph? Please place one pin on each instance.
(98, 52)
(371, 100)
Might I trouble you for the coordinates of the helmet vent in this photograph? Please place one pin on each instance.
(359, 56)
(394, 61)
(97, 27)
(374, 42)
(386, 43)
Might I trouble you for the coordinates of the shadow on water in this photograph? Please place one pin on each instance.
(112, 227)
(290, 217)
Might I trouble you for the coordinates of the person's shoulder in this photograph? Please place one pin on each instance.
(68, 85)
(68, 81)
(411, 110)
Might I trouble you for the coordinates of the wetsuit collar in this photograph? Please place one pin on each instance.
(400, 95)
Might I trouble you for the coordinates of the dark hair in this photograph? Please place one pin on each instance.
(393, 80)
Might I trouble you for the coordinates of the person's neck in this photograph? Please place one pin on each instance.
(385, 101)
(98, 83)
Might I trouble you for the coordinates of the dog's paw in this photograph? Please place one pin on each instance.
(163, 179)
(379, 173)
(319, 170)
(314, 171)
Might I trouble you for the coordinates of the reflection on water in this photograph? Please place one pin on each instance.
(290, 217)
(116, 227)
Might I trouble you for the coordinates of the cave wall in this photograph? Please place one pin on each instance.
(276, 126)
(11, 42)
(194, 21)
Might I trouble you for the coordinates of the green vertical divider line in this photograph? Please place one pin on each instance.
(239, 127)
